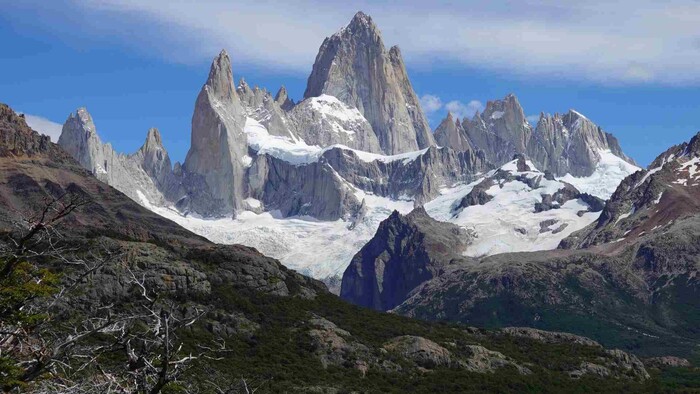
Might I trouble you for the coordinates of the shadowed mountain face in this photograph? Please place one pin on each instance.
(268, 313)
(405, 252)
(634, 284)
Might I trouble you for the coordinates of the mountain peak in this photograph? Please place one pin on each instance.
(695, 142)
(153, 138)
(281, 94)
(450, 134)
(509, 108)
(283, 100)
(573, 114)
(354, 66)
(80, 121)
(361, 20)
(220, 80)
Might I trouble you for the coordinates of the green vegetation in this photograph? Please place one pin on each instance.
(19, 288)
(280, 354)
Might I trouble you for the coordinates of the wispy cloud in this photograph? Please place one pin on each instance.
(44, 126)
(433, 105)
(628, 42)
(533, 119)
(430, 103)
(462, 110)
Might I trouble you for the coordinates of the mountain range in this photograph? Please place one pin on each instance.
(261, 169)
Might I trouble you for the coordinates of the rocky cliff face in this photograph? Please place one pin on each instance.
(405, 252)
(418, 175)
(310, 190)
(219, 149)
(18, 139)
(570, 143)
(561, 144)
(450, 134)
(354, 66)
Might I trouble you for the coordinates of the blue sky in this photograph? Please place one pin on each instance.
(631, 66)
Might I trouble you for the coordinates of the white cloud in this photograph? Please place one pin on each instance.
(44, 126)
(533, 119)
(629, 41)
(462, 111)
(430, 103)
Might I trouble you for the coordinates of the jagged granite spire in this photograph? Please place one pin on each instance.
(145, 174)
(79, 138)
(500, 131)
(219, 148)
(570, 143)
(282, 99)
(220, 80)
(449, 134)
(354, 66)
(155, 160)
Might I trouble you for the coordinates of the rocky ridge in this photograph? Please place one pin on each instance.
(561, 144)
(414, 248)
(648, 201)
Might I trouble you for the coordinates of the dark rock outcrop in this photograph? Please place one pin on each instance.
(405, 251)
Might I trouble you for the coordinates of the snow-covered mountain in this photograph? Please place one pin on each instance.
(515, 208)
(309, 182)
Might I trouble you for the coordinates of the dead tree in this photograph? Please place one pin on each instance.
(53, 357)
